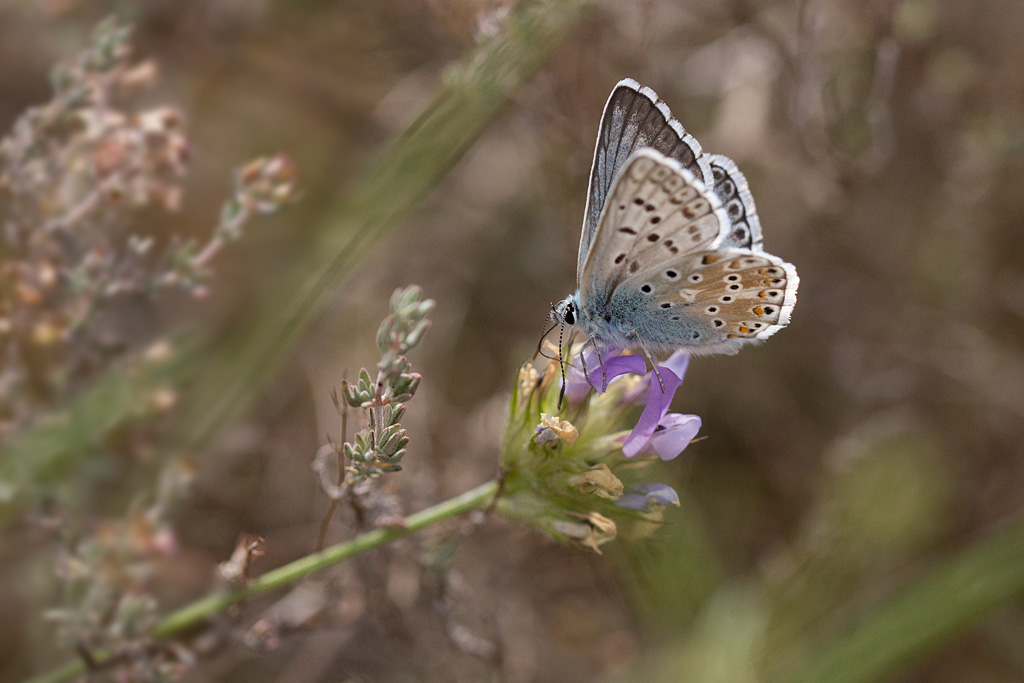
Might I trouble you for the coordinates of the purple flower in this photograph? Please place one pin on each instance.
(677, 363)
(647, 495)
(577, 386)
(671, 436)
(666, 435)
(657, 431)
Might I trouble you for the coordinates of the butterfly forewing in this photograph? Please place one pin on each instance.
(656, 211)
(634, 118)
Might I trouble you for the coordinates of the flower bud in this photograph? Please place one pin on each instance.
(592, 530)
(598, 480)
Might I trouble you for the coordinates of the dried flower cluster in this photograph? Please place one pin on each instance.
(74, 268)
(564, 475)
(72, 171)
(106, 579)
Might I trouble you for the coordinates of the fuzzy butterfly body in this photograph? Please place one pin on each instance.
(670, 255)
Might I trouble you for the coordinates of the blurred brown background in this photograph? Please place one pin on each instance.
(884, 145)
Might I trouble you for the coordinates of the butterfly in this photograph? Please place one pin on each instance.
(671, 251)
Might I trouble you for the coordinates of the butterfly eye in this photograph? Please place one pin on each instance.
(570, 315)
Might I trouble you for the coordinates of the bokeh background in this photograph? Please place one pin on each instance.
(869, 444)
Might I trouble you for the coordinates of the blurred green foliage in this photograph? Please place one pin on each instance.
(855, 512)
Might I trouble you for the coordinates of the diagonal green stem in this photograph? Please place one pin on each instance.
(196, 613)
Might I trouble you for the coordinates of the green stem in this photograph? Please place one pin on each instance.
(196, 613)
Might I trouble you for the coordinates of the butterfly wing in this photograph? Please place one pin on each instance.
(712, 301)
(634, 118)
(663, 272)
(731, 187)
(656, 210)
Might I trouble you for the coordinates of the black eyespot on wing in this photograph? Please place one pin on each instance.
(666, 305)
(628, 231)
(646, 289)
(620, 258)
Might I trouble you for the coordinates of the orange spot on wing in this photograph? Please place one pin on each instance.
(758, 310)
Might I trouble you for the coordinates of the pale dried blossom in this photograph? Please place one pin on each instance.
(72, 172)
(551, 430)
(588, 530)
(598, 480)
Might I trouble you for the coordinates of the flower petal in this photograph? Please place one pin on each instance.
(657, 405)
(674, 434)
(614, 367)
(577, 386)
(678, 362)
(648, 495)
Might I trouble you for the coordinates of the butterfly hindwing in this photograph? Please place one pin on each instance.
(711, 301)
(656, 211)
(634, 118)
(731, 187)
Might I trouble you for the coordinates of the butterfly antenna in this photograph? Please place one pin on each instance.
(540, 344)
(561, 365)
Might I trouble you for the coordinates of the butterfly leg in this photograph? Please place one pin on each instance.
(654, 368)
(583, 362)
(653, 361)
(600, 361)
